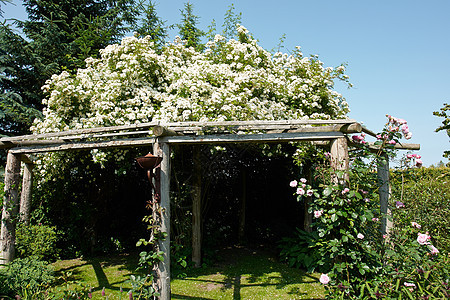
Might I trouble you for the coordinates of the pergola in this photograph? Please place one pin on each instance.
(331, 133)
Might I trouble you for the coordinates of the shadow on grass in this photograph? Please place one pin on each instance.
(239, 268)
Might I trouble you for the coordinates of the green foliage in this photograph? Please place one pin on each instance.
(298, 251)
(188, 28)
(231, 20)
(36, 240)
(28, 277)
(426, 195)
(363, 261)
(444, 112)
(58, 35)
(151, 25)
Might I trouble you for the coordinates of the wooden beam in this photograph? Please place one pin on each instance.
(25, 197)
(400, 146)
(163, 131)
(252, 138)
(77, 131)
(10, 209)
(164, 245)
(119, 143)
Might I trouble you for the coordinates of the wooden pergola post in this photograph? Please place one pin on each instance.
(340, 160)
(197, 208)
(10, 209)
(163, 271)
(25, 197)
(384, 191)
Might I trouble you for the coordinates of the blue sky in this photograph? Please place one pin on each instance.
(397, 52)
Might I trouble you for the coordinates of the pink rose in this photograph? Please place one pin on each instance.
(414, 224)
(303, 180)
(324, 279)
(392, 142)
(423, 238)
(419, 162)
(309, 193)
(318, 213)
(408, 135)
(360, 236)
(300, 191)
(293, 183)
(345, 190)
(433, 250)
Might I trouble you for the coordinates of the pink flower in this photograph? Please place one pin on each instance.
(399, 204)
(375, 219)
(384, 236)
(378, 136)
(408, 135)
(414, 224)
(357, 138)
(392, 142)
(408, 284)
(103, 292)
(303, 180)
(300, 191)
(345, 190)
(293, 183)
(409, 156)
(324, 279)
(423, 238)
(419, 162)
(309, 193)
(360, 236)
(433, 249)
(318, 213)
(405, 128)
(367, 200)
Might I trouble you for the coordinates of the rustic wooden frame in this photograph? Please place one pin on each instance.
(161, 136)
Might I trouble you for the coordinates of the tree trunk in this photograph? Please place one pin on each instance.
(10, 209)
(308, 200)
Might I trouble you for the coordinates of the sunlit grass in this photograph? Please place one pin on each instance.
(235, 273)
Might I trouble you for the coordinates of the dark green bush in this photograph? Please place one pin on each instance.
(298, 250)
(36, 240)
(27, 278)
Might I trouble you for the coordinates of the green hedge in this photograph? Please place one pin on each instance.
(426, 195)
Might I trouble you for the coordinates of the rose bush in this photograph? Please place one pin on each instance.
(359, 260)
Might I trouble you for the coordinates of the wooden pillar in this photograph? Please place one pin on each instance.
(384, 191)
(243, 205)
(197, 208)
(339, 160)
(163, 271)
(25, 198)
(10, 209)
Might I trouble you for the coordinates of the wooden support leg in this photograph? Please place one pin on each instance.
(384, 191)
(164, 245)
(10, 209)
(340, 160)
(25, 199)
(197, 209)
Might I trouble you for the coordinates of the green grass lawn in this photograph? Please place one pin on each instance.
(236, 273)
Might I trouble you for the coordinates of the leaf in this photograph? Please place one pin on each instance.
(327, 191)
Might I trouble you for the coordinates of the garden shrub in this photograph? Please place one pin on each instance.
(363, 262)
(28, 278)
(425, 192)
(36, 240)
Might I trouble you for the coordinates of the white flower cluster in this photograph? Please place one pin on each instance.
(230, 80)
